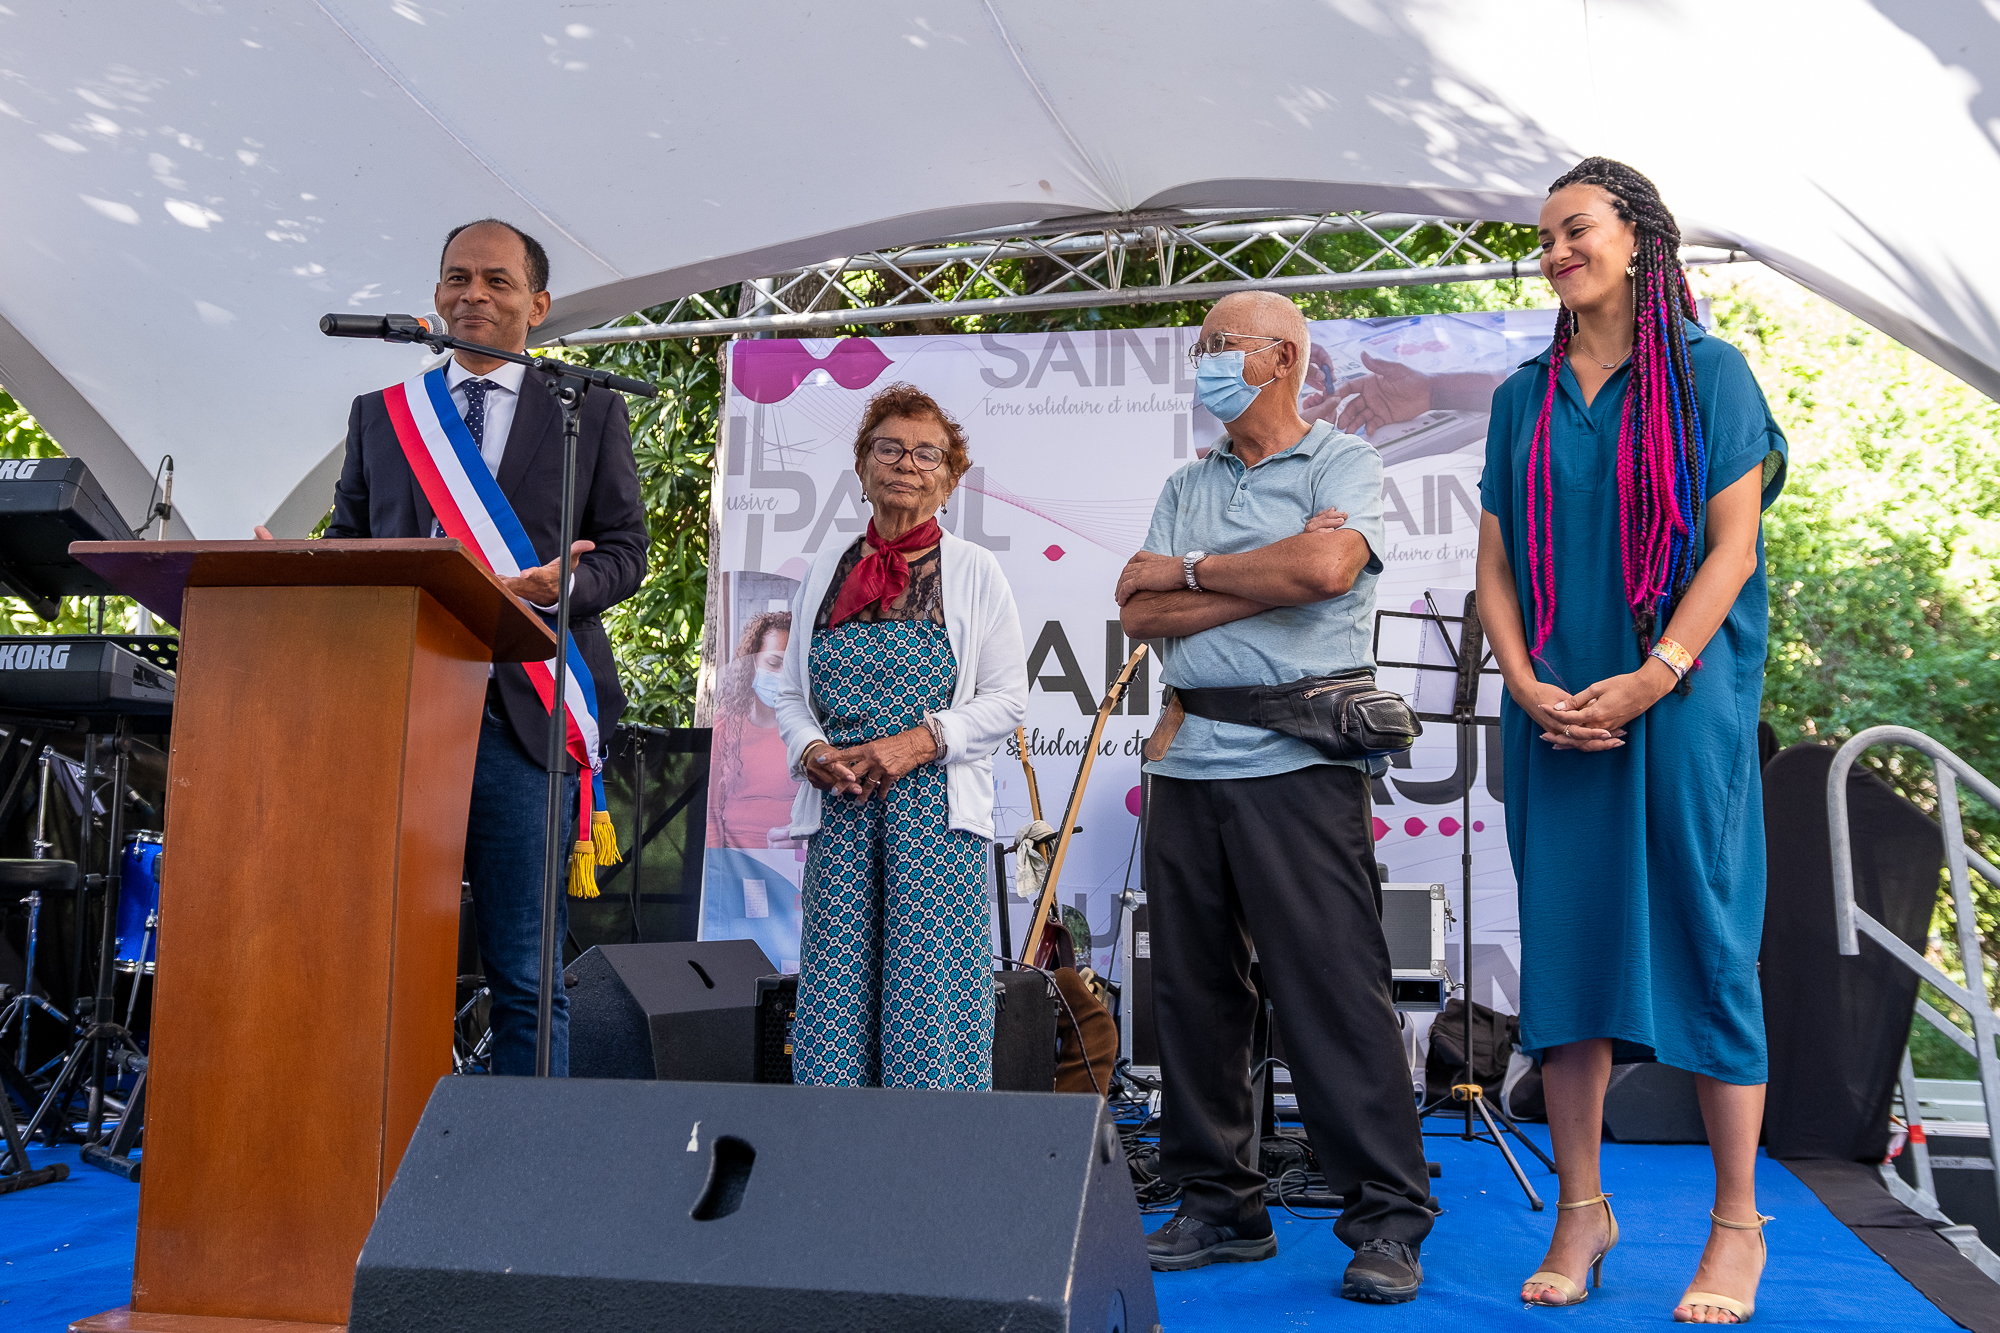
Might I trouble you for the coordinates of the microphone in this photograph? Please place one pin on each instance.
(390, 328)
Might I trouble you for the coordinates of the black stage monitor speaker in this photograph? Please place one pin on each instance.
(1653, 1103)
(560, 1205)
(682, 1011)
(1024, 1030)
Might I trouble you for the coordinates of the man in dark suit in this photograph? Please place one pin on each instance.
(493, 289)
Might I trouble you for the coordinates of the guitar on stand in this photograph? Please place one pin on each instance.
(1040, 946)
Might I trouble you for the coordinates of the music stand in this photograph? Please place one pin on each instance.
(1469, 661)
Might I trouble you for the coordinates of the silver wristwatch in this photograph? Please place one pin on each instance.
(1188, 562)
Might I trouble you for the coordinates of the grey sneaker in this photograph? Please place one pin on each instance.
(1187, 1242)
(1383, 1271)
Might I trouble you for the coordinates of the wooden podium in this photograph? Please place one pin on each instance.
(326, 720)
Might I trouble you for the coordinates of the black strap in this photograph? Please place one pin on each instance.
(1238, 704)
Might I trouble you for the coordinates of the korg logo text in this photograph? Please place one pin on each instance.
(19, 469)
(34, 657)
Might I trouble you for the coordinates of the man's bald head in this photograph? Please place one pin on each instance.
(1264, 315)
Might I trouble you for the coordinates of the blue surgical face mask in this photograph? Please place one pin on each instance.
(765, 685)
(1220, 387)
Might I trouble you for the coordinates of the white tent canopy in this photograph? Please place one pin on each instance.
(191, 186)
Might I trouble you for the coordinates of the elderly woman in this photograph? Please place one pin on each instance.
(903, 675)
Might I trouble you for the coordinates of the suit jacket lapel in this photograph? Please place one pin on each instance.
(536, 421)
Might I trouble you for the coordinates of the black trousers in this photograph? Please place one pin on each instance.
(1289, 863)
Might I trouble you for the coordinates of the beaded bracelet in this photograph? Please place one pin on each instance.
(1678, 659)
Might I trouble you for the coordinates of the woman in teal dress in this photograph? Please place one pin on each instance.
(1622, 587)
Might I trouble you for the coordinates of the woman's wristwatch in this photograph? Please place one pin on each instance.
(936, 729)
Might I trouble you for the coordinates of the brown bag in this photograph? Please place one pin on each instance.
(1092, 1035)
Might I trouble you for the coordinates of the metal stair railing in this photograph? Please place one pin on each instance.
(1948, 771)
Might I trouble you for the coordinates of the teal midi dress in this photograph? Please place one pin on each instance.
(1640, 869)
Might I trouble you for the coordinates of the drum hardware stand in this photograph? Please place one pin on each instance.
(1468, 662)
(468, 1056)
(34, 743)
(20, 1175)
(24, 1004)
(100, 1037)
(139, 968)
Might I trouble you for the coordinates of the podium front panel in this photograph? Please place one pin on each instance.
(323, 747)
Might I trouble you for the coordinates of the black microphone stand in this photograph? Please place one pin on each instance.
(567, 383)
(1469, 659)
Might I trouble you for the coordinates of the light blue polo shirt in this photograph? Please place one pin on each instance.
(1217, 505)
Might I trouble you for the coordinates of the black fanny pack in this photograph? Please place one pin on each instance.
(1344, 717)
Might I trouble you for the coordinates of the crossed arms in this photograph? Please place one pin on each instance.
(1321, 562)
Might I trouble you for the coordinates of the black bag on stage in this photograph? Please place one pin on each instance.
(1493, 1038)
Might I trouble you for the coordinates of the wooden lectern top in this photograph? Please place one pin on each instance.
(157, 573)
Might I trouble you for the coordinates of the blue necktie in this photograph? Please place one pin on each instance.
(475, 421)
(475, 409)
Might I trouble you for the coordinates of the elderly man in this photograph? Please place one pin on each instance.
(1259, 569)
(493, 289)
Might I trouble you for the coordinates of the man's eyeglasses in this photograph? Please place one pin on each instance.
(1215, 344)
(888, 452)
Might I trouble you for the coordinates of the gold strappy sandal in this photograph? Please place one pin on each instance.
(1571, 1293)
(1741, 1309)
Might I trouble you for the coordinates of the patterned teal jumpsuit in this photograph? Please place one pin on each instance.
(895, 963)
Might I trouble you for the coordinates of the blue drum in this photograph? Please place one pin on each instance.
(138, 901)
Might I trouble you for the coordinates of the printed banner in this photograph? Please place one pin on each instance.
(1072, 436)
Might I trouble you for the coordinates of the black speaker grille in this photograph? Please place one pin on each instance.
(777, 1010)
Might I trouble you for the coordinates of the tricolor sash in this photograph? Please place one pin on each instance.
(471, 507)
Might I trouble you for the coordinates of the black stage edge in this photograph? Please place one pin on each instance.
(1907, 1240)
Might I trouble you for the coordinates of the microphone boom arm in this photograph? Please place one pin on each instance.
(412, 329)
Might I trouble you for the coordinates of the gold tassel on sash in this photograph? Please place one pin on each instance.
(604, 838)
(582, 872)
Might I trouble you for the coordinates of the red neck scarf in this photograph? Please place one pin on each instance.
(885, 575)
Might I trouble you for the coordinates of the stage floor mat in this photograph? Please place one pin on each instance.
(67, 1251)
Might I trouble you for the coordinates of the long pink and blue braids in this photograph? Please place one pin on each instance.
(1662, 457)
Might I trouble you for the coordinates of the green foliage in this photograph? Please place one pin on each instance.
(656, 633)
(1885, 586)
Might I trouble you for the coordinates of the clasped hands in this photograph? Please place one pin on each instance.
(1595, 718)
(871, 768)
(1149, 571)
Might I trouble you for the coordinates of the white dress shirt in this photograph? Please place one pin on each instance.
(500, 404)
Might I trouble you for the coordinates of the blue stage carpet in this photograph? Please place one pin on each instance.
(68, 1253)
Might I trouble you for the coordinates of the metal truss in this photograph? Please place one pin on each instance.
(1200, 255)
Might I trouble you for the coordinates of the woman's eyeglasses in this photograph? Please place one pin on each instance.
(888, 452)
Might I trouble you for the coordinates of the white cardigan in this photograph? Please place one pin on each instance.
(987, 703)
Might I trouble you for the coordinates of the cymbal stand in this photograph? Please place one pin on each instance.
(101, 1038)
(21, 1006)
(1469, 660)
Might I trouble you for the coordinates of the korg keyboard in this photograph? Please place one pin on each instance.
(86, 674)
(45, 504)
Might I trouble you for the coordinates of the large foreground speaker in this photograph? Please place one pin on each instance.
(683, 1011)
(573, 1206)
